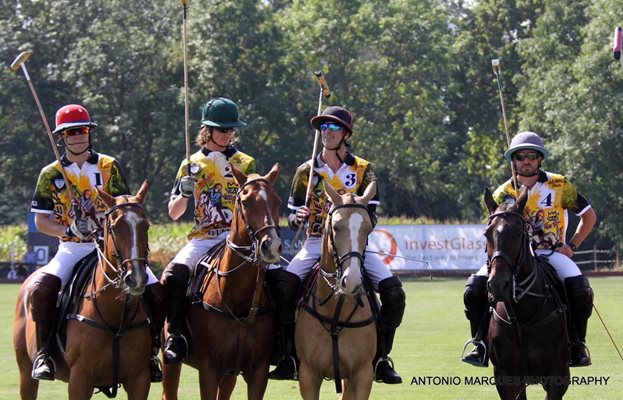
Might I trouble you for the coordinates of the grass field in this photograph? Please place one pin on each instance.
(428, 344)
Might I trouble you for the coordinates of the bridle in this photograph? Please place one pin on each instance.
(340, 260)
(522, 288)
(120, 270)
(253, 256)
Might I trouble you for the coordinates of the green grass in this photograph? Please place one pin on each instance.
(428, 344)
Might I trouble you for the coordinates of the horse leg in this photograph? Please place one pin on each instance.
(138, 386)
(208, 383)
(359, 384)
(28, 387)
(309, 383)
(226, 387)
(171, 380)
(257, 382)
(80, 385)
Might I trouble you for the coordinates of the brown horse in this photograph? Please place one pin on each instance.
(232, 326)
(107, 339)
(335, 335)
(527, 333)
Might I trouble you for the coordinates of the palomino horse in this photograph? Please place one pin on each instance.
(335, 336)
(232, 326)
(527, 333)
(107, 339)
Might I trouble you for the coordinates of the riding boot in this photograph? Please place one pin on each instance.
(175, 279)
(580, 297)
(155, 299)
(476, 307)
(43, 296)
(284, 288)
(390, 317)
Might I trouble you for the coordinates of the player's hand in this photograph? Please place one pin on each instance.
(79, 228)
(302, 214)
(187, 186)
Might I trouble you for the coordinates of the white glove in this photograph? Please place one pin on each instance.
(80, 229)
(187, 186)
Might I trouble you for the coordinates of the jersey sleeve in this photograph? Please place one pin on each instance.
(572, 200)
(299, 187)
(175, 191)
(368, 177)
(42, 201)
(117, 184)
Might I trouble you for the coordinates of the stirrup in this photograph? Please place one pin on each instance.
(588, 354)
(477, 343)
(155, 369)
(390, 364)
(178, 357)
(43, 360)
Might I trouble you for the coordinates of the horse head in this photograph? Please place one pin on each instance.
(125, 240)
(258, 204)
(507, 245)
(347, 228)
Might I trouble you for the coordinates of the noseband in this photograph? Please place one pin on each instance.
(253, 257)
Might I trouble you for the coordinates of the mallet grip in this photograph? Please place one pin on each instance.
(326, 91)
(616, 44)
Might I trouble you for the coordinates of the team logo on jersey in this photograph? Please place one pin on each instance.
(194, 169)
(59, 183)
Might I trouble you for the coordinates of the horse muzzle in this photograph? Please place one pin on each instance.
(270, 248)
(135, 280)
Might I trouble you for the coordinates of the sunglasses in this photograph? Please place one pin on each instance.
(83, 130)
(330, 126)
(529, 156)
(225, 130)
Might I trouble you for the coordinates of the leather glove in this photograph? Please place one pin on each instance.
(79, 228)
(187, 186)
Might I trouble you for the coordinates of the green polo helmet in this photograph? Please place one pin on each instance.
(526, 141)
(221, 112)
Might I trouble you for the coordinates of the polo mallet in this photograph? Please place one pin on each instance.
(324, 92)
(616, 44)
(497, 70)
(20, 61)
(186, 112)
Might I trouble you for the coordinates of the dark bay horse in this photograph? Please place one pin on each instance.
(232, 326)
(335, 334)
(108, 340)
(527, 333)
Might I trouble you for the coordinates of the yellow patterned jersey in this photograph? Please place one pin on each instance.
(99, 171)
(353, 177)
(546, 209)
(215, 188)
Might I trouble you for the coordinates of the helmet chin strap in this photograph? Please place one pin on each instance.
(73, 152)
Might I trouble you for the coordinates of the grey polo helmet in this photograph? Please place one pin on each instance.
(221, 113)
(526, 141)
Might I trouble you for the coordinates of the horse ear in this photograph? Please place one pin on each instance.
(336, 199)
(241, 178)
(142, 193)
(370, 191)
(273, 173)
(108, 199)
(490, 202)
(522, 200)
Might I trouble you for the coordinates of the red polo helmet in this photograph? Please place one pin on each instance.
(71, 116)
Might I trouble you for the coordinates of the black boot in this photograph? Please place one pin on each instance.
(580, 297)
(284, 288)
(176, 284)
(390, 317)
(155, 299)
(43, 296)
(476, 310)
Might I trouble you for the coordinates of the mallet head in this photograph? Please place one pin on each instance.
(184, 3)
(495, 64)
(326, 92)
(22, 58)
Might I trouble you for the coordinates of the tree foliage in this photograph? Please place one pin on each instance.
(415, 73)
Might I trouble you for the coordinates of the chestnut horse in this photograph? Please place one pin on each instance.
(107, 339)
(232, 325)
(335, 334)
(527, 332)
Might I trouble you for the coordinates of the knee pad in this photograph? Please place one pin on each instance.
(175, 278)
(392, 302)
(43, 295)
(580, 295)
(475, 297)
(284, 287)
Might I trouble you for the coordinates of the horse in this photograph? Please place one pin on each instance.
(335, 334)
(108, 340)
(232, 324)
(528, 336)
